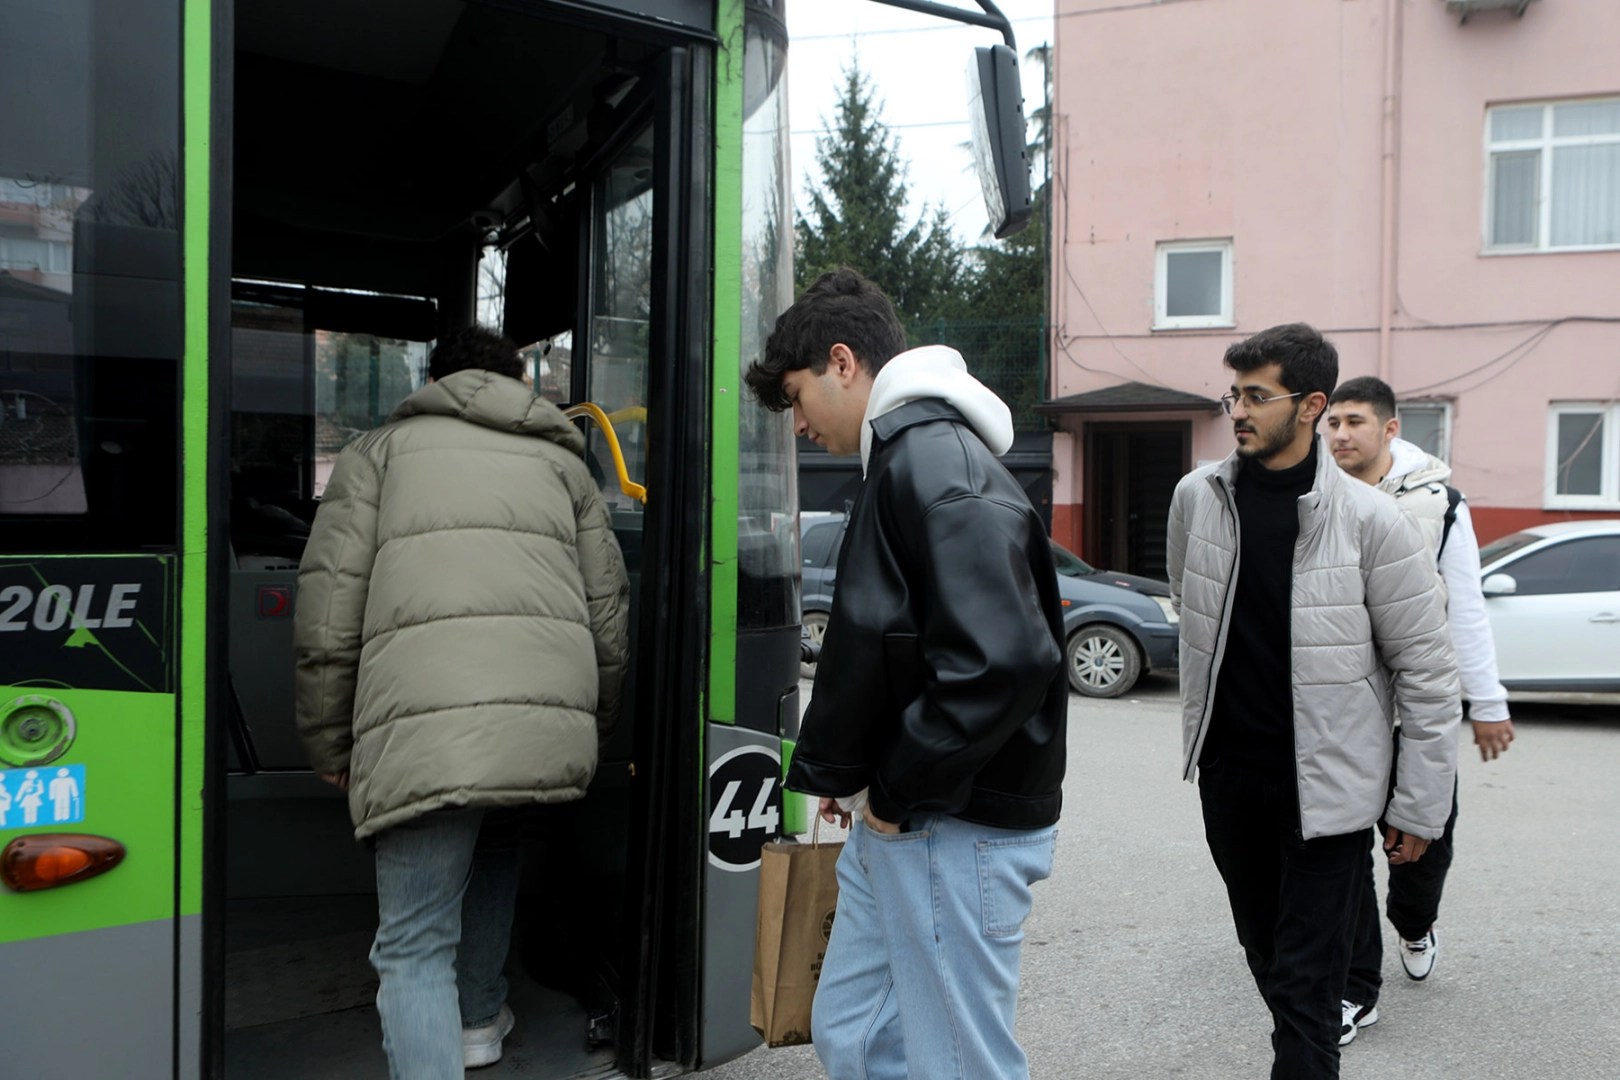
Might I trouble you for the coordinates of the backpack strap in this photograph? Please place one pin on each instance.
(1453, 497)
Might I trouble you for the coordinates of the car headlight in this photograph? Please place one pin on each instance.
(1168, 608)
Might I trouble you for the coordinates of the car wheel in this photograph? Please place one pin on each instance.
(816, 623)
(1103, 661)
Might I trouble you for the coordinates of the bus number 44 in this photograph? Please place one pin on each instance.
(728, 816)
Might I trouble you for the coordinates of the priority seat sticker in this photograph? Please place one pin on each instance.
(48, 795)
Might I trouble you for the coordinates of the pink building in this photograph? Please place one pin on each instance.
(1433, 183)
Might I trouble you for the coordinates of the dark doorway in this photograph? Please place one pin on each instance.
(1131, 472)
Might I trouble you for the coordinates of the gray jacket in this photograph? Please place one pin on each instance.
(1369, 634)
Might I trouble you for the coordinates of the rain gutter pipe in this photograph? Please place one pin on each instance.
(992, 17)
(1391, 139)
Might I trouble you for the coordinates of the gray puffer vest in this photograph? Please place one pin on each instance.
(1369, 634)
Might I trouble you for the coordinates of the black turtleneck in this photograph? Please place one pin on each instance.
(1253, 719)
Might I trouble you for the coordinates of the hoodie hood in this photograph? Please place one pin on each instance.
(494, 401)
(1411, 466)
(937, 371)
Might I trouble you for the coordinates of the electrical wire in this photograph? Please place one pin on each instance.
(1529, 345)
(1068, 271)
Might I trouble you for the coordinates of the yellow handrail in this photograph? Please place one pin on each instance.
(628, 486)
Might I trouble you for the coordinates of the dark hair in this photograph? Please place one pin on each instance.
(1309, 362)
(1372, 390)
(474, 347)
(840, 307)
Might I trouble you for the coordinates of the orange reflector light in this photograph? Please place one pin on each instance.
(1066, 603)
(30, 863)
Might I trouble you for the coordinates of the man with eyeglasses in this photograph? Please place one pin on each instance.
(1310, 611)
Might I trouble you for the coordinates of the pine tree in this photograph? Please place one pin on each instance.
(857, 214)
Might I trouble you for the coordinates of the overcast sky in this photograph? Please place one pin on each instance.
(917, 63)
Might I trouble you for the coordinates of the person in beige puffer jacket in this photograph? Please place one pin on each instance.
(461, 633)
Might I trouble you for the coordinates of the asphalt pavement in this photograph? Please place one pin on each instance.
(1132, 970)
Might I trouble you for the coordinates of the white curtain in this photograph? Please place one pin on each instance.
(1586, 195)
(1515, 184)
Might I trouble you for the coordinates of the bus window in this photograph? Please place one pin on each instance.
(549, 367)
(300, 393)
(89, 275)
(768, 493)
(621, 308)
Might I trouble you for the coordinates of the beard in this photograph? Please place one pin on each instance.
(1270, 440)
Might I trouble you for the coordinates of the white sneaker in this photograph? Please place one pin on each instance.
(1356, 1017)
(1418, 957)
(482, 1045)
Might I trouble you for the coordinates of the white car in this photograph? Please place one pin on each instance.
(1553, 596)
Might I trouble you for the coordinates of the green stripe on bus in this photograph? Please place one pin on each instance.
(125, 742)
(196, 88)
(795, 807)
(728, 150)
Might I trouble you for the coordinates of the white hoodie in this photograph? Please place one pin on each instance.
(1465, 604)
(932, 371)
(937, 371)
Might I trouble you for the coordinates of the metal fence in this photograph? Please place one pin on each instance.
(1007, 355)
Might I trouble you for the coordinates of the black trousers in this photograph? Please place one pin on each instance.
(1412, 908)
(1294, 904)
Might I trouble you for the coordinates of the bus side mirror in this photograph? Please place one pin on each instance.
(1499, 585)
(1000, 152)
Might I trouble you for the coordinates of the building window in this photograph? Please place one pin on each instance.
(1427, 424)
(1583, 456)
(1193, 285)
(1553, 176)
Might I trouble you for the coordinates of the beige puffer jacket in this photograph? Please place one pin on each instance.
(1369, 633)
(461, 627)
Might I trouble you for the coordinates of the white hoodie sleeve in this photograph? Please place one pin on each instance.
(1470, 628)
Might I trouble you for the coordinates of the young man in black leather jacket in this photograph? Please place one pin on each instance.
(939, 710)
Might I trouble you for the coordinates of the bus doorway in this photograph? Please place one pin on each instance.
(473, 164)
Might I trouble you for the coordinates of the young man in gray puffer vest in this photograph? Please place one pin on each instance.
(1309, 610)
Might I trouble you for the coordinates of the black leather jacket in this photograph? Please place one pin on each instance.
(940, 683)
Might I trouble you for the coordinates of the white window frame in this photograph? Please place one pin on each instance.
(1609, 486)
(1161, 274)
(1445, 422)
(1546, 144)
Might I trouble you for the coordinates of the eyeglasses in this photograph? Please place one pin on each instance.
(1251, 400)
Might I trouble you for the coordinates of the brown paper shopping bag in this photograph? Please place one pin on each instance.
(798, 893)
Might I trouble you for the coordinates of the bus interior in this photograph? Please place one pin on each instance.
(398, 170)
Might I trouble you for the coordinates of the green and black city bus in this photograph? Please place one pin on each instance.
(229, 234)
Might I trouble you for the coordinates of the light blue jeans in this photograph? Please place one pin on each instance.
(446, 886)
(920, 979)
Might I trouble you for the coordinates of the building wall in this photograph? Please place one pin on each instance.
(1262, 121)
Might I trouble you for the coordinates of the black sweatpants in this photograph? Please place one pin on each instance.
(1413, 907)
(1294, 904)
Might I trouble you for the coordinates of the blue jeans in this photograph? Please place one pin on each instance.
(446, 886)
(920, 979)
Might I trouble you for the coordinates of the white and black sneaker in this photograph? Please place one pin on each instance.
(1356, 1017)
(1418, 957)
(481, 1046)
